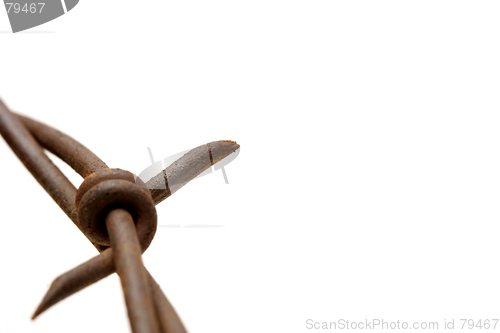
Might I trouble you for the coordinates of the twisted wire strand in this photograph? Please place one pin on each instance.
(22, 133)
(28, 138)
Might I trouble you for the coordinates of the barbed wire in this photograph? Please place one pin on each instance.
(113, 208)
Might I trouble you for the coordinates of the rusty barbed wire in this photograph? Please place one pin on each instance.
(113, 208)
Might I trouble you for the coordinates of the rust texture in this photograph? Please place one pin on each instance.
(114, 209)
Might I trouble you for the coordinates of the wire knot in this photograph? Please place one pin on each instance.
(109, 189)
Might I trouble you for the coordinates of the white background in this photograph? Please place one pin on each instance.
(368, 182)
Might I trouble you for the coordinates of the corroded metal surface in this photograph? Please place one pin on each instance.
(114, 209)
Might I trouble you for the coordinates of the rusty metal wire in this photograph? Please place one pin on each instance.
(114, 209)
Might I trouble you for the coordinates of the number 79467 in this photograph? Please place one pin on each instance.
(32, 8)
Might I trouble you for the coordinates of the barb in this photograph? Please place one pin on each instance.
(178, 173)
(105, 208)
